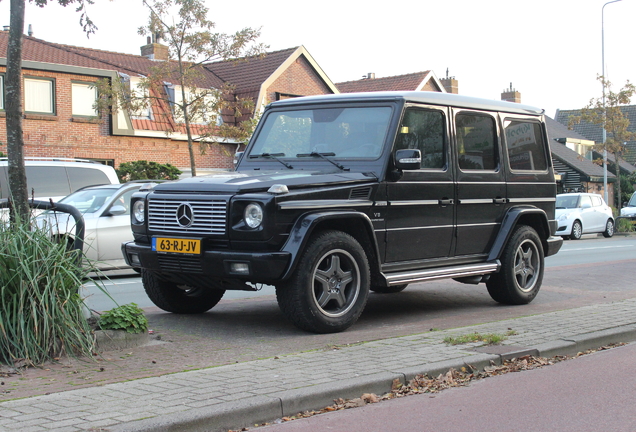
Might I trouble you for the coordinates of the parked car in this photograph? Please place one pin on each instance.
(337, 195)
(583, 213)
(106, 213)
(55, 178)
(630, 208)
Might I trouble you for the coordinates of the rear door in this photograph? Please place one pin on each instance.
(481, 186)
(421, 203)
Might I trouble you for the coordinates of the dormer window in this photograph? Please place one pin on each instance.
(140, 98)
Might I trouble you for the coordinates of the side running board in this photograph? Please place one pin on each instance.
(442, 273)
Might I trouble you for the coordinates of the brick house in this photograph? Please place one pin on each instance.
(418, 81)
(59, 120)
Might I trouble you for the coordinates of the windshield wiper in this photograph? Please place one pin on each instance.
(274, 156)
(323, 156)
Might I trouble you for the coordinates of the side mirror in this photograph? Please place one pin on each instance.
(116, 210)
(408, 159)
(237, 157)
(586, 206)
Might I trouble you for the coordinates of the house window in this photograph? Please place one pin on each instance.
(39, 95)
(201, 110)
(140, 97)
(1, 92)
(83, 99)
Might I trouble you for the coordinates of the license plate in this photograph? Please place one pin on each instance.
(176, 245)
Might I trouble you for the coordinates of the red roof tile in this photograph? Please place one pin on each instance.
(408, 82)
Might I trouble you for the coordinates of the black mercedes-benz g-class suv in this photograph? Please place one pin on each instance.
(341, 194)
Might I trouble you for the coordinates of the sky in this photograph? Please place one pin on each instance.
(548, 50)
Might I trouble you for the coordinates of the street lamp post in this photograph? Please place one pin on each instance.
(605, 195)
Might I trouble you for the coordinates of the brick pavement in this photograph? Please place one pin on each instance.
(239, 395)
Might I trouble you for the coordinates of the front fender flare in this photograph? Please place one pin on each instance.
(306, 224)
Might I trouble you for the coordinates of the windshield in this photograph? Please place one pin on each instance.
(632, 201)
(334, 132)
(567, 201)
(89, 200)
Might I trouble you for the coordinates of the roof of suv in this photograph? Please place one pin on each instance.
(432, 98)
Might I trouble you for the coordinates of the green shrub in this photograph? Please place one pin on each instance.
(127, 317)
(142, 170)
(41, 312)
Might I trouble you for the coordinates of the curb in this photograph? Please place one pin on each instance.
(256, 410)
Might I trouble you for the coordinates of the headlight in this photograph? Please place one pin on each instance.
(253, 215)
(564, 216)
(138, 211)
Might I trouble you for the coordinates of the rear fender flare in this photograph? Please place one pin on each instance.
(508, 224)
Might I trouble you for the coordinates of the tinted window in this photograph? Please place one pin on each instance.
(423, 130)
(81, 177)
(47, 181)
(476, 142)
(525, 145)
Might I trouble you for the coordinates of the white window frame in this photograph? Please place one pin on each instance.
(1, 92)
(146, 112)
(83, 97)
(39, 95)
(178, 115)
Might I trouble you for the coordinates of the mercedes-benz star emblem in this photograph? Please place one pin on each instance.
(185, 215)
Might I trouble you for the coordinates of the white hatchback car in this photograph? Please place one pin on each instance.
(630, 208)
(583, 213)
(106, 213)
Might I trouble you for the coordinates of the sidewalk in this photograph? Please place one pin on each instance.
(243, 394)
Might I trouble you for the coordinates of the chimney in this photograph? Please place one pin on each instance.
(30, 30)
(450, 84)
(370, 75)
(154, 50)
(511, 95)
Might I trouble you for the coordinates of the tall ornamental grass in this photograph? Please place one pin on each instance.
(41, 312)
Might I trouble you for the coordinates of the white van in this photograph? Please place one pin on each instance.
(55, 178)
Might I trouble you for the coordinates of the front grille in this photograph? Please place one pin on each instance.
(208, 218)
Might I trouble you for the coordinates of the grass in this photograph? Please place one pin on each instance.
(41, 311)
(488, 338)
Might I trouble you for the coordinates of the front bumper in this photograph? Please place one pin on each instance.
(262, 267)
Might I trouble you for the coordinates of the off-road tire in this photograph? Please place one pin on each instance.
(179, 299)
(522, 263)
(390, 289)
(577, 230)
(330, 286)
(609, 229)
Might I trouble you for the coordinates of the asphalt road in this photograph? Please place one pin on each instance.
(589, 271)
(591, 393)
(591, 249)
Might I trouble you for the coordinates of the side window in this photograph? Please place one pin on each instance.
(424, 130)
(476, 142)
(585, 199)
(47, 181)
(39, 95)
(596, 201)
(81, 177)
(83, 99)
(526, 148)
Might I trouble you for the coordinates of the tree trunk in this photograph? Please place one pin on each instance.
(15, 140)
